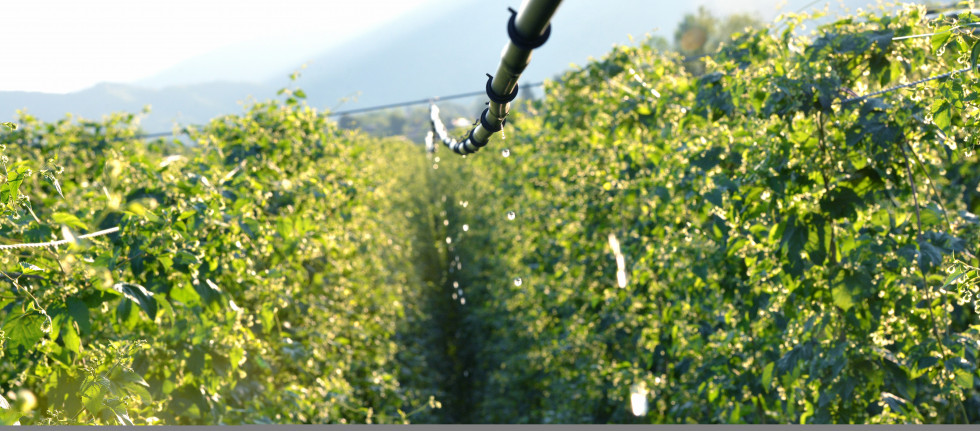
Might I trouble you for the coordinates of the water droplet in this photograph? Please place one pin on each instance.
(505, 153)
(456, 284)
(518, 281)
(462, 301)
(466, 227)
(449, 240)
(445, 222)
(511, 215)
(638, 399)
(435, 166)
(464, 204)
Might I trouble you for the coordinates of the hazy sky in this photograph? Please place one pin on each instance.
(61, 46)
(66, 45)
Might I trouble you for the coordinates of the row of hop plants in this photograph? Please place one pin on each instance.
(738, 246)
(263, 272)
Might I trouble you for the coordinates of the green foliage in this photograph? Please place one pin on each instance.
(790, 259)
(412, 123)
(265, 266)
(735, 246)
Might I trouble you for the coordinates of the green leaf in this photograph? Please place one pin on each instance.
(185, 295)
(955, 275)
(122, 417)
(841, 202)
(57, 186)
(79, 312)
(974, 55)
(93, 395)
(842, 297)
(10, 191)
(709, 158)
(137, 209)
(929, 255)
(940, 37)
(69, 220)
(23, 330)
(767, 376)
(9, 125)
(964, 379)
(27, 268)
(795, 236)
(896, 403)
(8, 416)
(70, 336)
(942, 116)
(131, 382)
(139, 295)
(124, 311)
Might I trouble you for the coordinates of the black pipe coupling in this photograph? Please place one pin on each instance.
(476, 143)
(497, 98)
(492, 128)
(520, 41)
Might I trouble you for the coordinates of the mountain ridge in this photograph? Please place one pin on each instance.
(442, 49)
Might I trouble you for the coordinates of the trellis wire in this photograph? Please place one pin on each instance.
(910, 84)
(59, 242)
(916, 36)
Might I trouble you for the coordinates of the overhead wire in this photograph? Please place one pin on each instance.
(185, 129)
(906, 85)
(420, 101)
(527, 29)
(916, 36)
(59, 242)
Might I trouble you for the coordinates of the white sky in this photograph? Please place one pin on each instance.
(61, 46)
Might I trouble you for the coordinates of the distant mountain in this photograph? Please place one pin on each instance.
(450, 49)
(181, 104)
(444, 48)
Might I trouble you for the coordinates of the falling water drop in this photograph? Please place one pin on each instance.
(518, 281)
(445, 222)
(456, 284)
(466, 227)
(505, 152)
(511, 215)
(638, 399)
(449, 240)
(435, 166)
